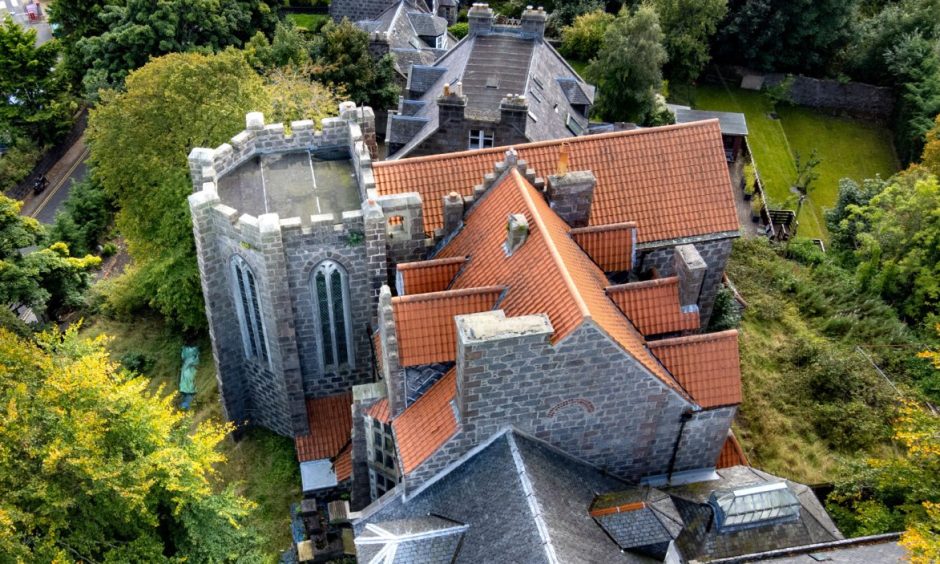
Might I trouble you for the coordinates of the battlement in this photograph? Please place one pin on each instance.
(296, 172)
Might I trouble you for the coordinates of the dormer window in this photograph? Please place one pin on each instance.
(480, 139)
(440, 42)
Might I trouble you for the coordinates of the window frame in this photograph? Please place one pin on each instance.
(478, 139)
(250, 322)
(382, 477)
(329, 268)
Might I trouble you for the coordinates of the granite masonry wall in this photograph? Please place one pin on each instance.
(715, 252)
(584, 395)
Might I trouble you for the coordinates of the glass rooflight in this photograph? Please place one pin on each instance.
(754, 506)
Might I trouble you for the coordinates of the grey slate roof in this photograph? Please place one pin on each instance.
(428, 539)
(490, 67)
(731, 123)
(881, 552)
(404, 23)
(657, 522)
(521, 501)
(701, 539)
(419, 379)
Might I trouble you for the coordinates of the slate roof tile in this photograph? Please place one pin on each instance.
(672, 181)
(653, 306)
(706, 365)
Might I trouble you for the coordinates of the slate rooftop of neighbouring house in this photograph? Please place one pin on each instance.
(412, 34)
(517, 499)
(732, 123)
(485, 67)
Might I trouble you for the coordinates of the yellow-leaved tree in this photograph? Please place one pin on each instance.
(94, 468)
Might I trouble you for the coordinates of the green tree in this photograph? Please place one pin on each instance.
(898, 235)
(915, 63)
(564, 13)
(83, 219)
(583, 38)
(95, 468)
(34, 104)
(293, 96)
(341, 56)
(628, 68)
(47, 279)
(930, 158)
(289, 47)
(139, 29)
(843, 233)
(688, 25)
(785, 35)
(175, 103)
(75, 19)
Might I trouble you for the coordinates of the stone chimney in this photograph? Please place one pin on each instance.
(480, 17)
(517, 231)
(378, 44)
(453, 213)
(690, 269)
(570, 194)
(513, 112)
(451, 104)
(533, 22)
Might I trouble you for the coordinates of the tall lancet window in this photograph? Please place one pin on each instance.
(331, 296)
(249, 310)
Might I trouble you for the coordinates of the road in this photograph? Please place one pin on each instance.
(18, 9)
(58, 191)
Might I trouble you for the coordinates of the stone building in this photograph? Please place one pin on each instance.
(408, 32)
(501, 85)
(501, 322)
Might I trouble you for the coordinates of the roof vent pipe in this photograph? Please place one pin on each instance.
(517, 231)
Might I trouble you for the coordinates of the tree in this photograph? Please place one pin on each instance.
(898, 234)
(34, 104)
(582, 39)
(139, 29)
(175, 103)
(784, 35)
(342, 60)
(628, 68)
(94, 468)
(915, 63)
(75, 19)
(288, 48)
(901, 492)
(83, 219)
(688, 25)
(293, 96)
(844, 233)
(564, 13)
(930, 158)
(47, 279)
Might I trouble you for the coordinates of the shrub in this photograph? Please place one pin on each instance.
(750, 178)
(84, 218)
(137, 362)
(582, 39)
(17, 162)
(459, 30)
(725, 314)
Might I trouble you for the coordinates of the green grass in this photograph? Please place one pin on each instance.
(578, 66)
(309, 22)
(262, 464)
(847, 147)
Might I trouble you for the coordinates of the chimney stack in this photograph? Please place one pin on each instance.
(571, 194)
(690, 269)
(480, 18)
(533, 22)
(517, 231)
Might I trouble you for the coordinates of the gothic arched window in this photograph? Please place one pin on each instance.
(249, 310)
(331, 297)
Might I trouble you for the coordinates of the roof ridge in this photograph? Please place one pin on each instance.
(700, 338)
(416, 264)
(430, 296)
(602, 228)
(523, 186)
(551, 142)
(654, 283)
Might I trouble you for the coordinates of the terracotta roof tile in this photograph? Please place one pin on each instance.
(731, 453)
(428, 275)
(609, 246)
(427, 424)
(425, 322)
(377, 350)
(548, 274)
(672, 180)
(342, 465)
(707, 366)
(380, 411)
(653, 306)
(330, 420)
(622, 508)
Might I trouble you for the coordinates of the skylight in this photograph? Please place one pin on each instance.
(754, 506)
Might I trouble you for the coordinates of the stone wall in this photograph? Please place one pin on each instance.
(584, 395)
(661, 256)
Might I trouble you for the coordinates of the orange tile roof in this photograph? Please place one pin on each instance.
(342, 464)
(330, 420)
(706, 365)
(610, 246)
(377, 350)
(380, 411)
(548, 274)
(731, 453)
(622, 508)
(428, 275)
(672, 180)
(427, 423)
(653, 306)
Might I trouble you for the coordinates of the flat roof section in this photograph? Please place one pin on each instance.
(298, 184)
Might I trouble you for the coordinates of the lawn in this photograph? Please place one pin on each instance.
(262, 464)
(848, 148)
(309, 22)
